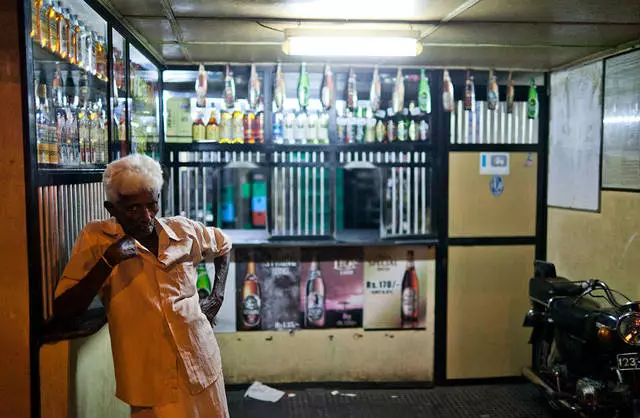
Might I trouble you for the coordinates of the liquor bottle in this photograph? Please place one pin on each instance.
(57, 89)
(254, 88)
(424, 93)
(412, 128)
(352, 91)
(198, 130)
(247, 123)
(448, 102)
(303, 87)
(469, 93)
(42, 118)
(423, 128)
(251, 302)
(391, 125)
(326, 92)
(370, 127)
(277, 127)
(257, 128)
(288, 130)
(258, 199)
(81, 43)
(315, 311)
(212, 132)
(492, 92)
(201, 87)
(375, 91)
(229, 93)
(279, 89)
(74, 31)
(350, 127)
(237, 132)
(532, 102)
(341, 125)
(398, 92)
(44, 23)
(311, 135)
(101, 58)
(226, 127)
(36, 31)
(410, 294)
(322, 127)
(203, 283)
(300, 128)
(52, 28)
(360, 124)
(380, 128)
(510, 94)
(64, 25)
(401, 125)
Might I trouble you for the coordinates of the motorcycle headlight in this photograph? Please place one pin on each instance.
(629, 328)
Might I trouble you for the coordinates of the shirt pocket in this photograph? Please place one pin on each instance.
(184, 276)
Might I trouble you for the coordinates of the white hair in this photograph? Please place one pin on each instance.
(131, 175)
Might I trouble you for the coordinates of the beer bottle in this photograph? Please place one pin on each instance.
(424, 93)
(303, 87)
(532, 102)
(469, 94)
(212, 130)
(410, 292)
(315, 298)
(510, 94)
(251, 303)
(203, 284)
(448, 102)
(492, 92)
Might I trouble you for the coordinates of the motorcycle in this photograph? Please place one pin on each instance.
(585, 345)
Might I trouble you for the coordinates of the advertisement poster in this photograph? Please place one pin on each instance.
(331, 288)
(226, 318)
(267, 289)
(397, 283)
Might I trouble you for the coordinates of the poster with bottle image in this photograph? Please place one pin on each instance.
(331, 288)
(398, 283)
(267, 289)
(226, 318)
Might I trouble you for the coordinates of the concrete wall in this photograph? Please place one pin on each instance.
(14, 287)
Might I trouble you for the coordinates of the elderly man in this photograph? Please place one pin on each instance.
(166, 358)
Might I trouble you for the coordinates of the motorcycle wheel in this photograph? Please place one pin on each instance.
(540, 348)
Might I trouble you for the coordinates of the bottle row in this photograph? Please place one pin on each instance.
(70, 123)
(57, 29)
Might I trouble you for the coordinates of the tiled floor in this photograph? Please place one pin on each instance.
(489, 401)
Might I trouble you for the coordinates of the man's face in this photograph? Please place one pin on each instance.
(136, 213)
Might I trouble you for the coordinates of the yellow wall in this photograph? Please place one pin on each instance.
(603, 245)
(14, 286)
(475, 212)
(487, 301)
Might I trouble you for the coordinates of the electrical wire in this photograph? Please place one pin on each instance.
(269, 27)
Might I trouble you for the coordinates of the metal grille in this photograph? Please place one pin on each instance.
(486, 126)
(63, 211)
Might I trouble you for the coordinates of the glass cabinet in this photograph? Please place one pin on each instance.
(144, 108)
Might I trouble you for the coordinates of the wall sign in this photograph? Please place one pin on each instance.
(494, 163)
(496, 185)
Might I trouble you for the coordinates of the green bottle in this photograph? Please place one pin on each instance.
(532, 102)
(424, 93)
(303, 87)
(203, 284)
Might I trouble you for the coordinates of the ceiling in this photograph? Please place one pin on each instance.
(501, 34)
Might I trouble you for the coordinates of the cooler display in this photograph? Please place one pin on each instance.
(144, 104)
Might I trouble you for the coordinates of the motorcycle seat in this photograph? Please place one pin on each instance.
(544, 289)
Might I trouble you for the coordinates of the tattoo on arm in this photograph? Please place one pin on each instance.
(212, 303)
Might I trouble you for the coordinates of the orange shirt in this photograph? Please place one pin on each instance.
(157, 327)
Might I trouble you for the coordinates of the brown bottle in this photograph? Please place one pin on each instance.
(410, 292)
(251, 303)
(315, 298)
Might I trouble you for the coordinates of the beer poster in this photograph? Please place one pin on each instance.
(398, 283)
(267, 289)
(331, 288)
(226, 318)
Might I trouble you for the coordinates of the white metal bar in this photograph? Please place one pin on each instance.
(314, 196)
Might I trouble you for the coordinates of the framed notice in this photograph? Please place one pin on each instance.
(575, 137)
(331, 288)
(621, 135)
(397, 281)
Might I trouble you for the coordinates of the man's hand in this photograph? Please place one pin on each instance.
(121, 250)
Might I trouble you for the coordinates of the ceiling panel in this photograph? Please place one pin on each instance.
(137, 7)
(154, 30)
(170, 52)
(317, 9)
(621, 11)
(527, 58)
(535, 34)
